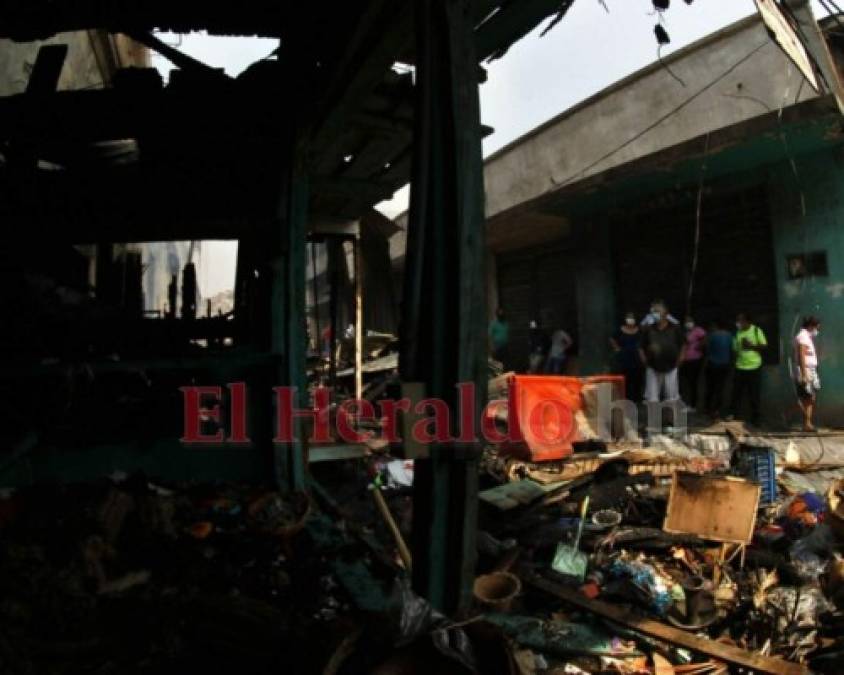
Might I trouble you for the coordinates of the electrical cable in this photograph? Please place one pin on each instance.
(665, 65)
(664, 117)
(698, 211)
(834, 4)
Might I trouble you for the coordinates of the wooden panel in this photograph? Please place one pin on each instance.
(712, 507)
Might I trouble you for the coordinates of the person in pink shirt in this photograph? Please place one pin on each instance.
(692, 362)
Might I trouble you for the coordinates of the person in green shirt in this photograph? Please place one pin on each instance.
(499, 337)
(748, 345)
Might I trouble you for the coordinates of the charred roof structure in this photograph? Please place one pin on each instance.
(312, 136)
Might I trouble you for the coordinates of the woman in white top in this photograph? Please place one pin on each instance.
(807, 382)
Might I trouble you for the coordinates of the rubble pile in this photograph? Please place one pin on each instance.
(687, 561)
(671, 557)
(130, 576)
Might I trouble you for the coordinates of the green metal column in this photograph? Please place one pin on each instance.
(444, 310)
(287, 330)
(597, 315)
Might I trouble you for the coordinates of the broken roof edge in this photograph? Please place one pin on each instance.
(726, 31)
(663, 160)
(731, 29)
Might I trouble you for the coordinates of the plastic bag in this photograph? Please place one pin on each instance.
(418, 618)
(644, 579)
(795, 607)
(416, 615)
(811, 554)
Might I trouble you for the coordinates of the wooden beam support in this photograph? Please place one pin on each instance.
(512, 22)
(37, 20)
(288, 283)
(444, 311)
(287, 311)
(47, 70)
(359, 327)
(177, 58)
(376, 42)
(723, 652)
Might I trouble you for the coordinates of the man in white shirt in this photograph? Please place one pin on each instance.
(807, 382)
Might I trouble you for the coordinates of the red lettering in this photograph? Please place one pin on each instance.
(287, 414)
(467, 402)
(237, 413)
(541, 423)
(441, 421)
(354, 410)
(195, 414)
(389, 418)
(489, 428)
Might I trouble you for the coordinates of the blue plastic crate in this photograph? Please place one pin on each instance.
(758, 464)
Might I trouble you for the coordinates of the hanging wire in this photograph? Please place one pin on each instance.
(834, 4)
(663, 118)
(665, 65)
(698, 213)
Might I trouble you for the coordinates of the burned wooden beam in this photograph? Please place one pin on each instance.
(177, 58)
(511, 22)
(444, 308)
(47, 70)
(378, 38)
(38, 20)
(655, 629)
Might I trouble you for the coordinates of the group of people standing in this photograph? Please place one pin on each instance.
(664, 360)
(671, 358)
(547, 352)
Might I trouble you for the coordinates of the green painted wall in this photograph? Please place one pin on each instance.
(595, 290)
(817, 180)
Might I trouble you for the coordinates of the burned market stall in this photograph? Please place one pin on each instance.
(180, 492)
(108, 513)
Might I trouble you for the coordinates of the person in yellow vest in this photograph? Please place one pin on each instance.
(749, 344)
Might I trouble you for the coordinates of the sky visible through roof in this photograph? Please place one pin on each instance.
(597, 44)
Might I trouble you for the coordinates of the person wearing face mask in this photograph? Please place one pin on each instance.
(625, 345)
(806, 380)
(661, 351)
(749, 344)
(652, 316)
(692, 362)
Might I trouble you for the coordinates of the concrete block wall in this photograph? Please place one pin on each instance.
(818, 182)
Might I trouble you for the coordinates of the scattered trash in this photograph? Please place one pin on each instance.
(617, 559)
(692, 546)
